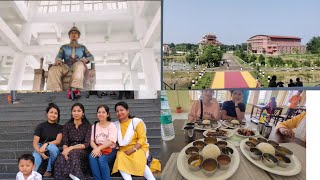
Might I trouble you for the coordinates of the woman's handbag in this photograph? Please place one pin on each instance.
(105, 151)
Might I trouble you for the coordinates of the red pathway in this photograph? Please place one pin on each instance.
(234, 80)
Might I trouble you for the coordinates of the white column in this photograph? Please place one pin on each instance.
(134, 80)
(17, 72)
(25, 35)
(150, 69)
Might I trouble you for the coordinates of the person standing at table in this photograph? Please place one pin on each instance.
(234, 109)
(294, 127)
(294, 101)
(205, 108)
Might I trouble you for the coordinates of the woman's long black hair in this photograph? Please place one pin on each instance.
(84, 118)
(106, 108)
(53, 105)
(124, 105)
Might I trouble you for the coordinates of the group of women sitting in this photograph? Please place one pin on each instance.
(121, 144)
(207, 107)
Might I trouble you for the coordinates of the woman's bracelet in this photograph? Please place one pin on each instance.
(135, 149)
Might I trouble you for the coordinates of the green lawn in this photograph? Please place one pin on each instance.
(308, 78)
(183, 80)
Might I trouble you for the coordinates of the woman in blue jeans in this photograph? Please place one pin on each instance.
(103, 143)
(46, 138)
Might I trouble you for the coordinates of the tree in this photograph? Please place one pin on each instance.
(261, 58)
(317, 62)
(294, 64)
(191, 57)
(211, 55)
(313, 46)
(171, 45)
(307, 63)
(253, 58)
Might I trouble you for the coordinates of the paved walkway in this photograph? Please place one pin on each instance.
(235, 79)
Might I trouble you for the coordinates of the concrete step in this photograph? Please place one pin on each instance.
(17, 130)
(26, 143)
(152, 122)
(15, 153)
(27, 133)
(117, 176)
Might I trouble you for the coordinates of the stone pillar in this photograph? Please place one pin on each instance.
(17, 72)
(150, 69)
(134, 80)
(39, 79)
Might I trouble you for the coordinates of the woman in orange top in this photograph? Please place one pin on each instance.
(294, 101)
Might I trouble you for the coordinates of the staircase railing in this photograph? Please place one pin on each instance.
(167, 87)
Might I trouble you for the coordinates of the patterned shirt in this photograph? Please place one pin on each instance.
(73, 52)
(33, 176)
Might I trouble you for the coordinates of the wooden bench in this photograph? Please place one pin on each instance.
(41, 76)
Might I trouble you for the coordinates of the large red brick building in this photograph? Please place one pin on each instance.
(275, 45)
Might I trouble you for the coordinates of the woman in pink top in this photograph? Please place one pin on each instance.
(205, 108)
(103, 143)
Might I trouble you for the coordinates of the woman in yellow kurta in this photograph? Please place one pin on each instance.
(134, 149)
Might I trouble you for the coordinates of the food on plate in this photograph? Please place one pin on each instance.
(210, 151)
(235, 122)
(217, 132)
(246, 132)
(206, 122)
(266, 148)
(196, 162)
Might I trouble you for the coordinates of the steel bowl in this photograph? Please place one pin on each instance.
(227, 151)
(248, 145)
(194, 162)
(262, 140)
(210, 140)
(223, 161)
(285, 151)
(199, 144)
(255, 153)
(192, 151)
(273, 143)
(283, 161)
(209, 166)
(254, 140)
(222, 144)
(269, 160)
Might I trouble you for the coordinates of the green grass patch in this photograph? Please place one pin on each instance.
(205, 81)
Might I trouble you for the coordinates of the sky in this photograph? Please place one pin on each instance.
(235, 21)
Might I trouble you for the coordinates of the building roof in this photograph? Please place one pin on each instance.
(277, 37)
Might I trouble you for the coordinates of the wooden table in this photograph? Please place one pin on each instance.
(169, 148)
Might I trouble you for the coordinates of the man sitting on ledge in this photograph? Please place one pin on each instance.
(71, 57)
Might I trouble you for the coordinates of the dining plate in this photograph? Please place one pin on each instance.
(229, 132)
(256, 133)
(182, 164)
(200, 127)
(229, 125)
(293, 169)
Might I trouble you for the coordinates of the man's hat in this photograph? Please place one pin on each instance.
(74, 28)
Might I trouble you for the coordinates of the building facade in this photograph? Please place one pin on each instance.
(275, 45)
(209, 39)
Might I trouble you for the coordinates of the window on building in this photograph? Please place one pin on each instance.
(264, 96)
(48, 6)
(93, 5)
(289, 95)
(116, 5)
(70, 6)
